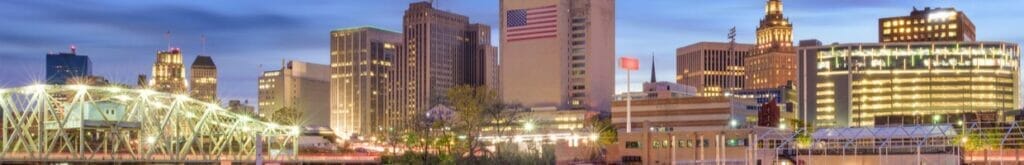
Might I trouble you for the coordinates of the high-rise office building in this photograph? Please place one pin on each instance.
(361, 67)
(169, 72)
(807, 62)
(60, 67)
(930, 24)
(300, 86)
(441, 50)
(864, 84)
(558, 53)
(712, 67)
(493, 73)
(772, 62)
(203, 79)
(480, 59)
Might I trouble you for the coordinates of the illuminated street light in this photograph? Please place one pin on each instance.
(529, 126)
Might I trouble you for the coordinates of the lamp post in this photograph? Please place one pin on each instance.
(629, 64)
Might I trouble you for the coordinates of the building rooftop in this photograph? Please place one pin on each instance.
(204, 61)
(897, 132)
(362, 28)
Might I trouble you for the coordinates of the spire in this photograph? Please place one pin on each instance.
(653, 79)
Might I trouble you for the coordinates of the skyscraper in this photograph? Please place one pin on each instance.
(169, 72)
(711, 67)
(361, 67)
(441, 50)
(807, 80)
(60, 67)
(300, 86)
(930, 24)
(773, 61)
(204, 79)
(558, 53)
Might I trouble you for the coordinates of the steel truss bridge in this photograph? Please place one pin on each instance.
(78, 123)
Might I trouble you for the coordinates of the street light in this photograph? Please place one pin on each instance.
(529, 126)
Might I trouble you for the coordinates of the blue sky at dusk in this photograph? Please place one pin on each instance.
(122, 36)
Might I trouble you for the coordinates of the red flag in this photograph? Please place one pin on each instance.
(629, 63)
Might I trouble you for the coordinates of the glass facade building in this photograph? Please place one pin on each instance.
(61, 67)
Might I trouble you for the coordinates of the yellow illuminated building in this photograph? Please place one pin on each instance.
(169, 72)
(361, 70)
(712, 67)
(203, 79)
(930, 24)
(773, 61)
(908, 83)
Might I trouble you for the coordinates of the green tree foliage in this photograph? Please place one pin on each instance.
(286, 116)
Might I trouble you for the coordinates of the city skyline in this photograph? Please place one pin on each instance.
(243, 36)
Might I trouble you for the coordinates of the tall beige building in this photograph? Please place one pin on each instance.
(558, 53)
(361, 68)
(493, 70)
(169, 72)
(203, 79)
(298, 85)
(712, 67)
(773, 62)
(441, 50)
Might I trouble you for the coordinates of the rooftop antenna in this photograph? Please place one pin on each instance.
(167, 36)
(202, 41)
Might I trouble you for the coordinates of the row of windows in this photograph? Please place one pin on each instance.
(657, 144)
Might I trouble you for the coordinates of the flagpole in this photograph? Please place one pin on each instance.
(629, 102)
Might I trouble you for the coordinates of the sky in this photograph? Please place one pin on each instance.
(245, 37)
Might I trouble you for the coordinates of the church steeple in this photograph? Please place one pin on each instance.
(653, 78)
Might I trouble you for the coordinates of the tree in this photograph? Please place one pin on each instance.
(476, 108)
(286, 116)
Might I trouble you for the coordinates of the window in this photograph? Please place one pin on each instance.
(632, 144)
(661, 144)
(574, 28)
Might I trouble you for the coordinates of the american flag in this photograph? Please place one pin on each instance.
(532, 23)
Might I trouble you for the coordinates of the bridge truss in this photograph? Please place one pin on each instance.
(86, 123)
